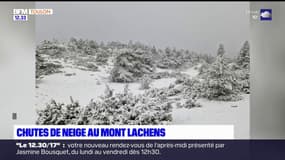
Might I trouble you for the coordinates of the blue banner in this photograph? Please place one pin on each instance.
(142, 149)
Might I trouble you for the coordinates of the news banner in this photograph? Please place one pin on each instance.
(106, 141)
(134, 142)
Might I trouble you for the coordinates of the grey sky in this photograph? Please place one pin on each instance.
(198, 26)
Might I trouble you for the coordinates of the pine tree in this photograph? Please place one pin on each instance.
(154, 53)
(243, 62)
(93, 44)
(72, 44)
(243, 57)
(130, 65)
(221, 50)
(220, 83)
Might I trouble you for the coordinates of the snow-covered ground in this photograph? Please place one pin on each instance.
(193, 71)
(81, 85)
(161, 83)
(86, 85)
(214, 112)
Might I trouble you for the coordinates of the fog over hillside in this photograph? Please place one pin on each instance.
(197, 26)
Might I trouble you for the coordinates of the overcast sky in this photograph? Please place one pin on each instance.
(198, 26)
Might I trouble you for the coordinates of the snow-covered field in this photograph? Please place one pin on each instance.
(213, 112)
(86, 85)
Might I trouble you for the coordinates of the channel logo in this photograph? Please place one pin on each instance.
(22, 14)
(266, 14)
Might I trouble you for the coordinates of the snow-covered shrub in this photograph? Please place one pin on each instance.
(102, 57)
(45, 68)
(59, 114)
(173, 91)
(191, 89)
(39, 64)
(175, 59)
(75, 44)
(130, 109)
(51, 48)
(145, 82)
(111, 109)
(80, 46)
(108, 92)
(52, 114)
(118, 74)
(160, 75)
(191, 102)
(84, 62)
(181, 79)
(181, 91)
(207, 58)
(161, 93)
(243, 80)
(203, 68)
(130, 65)
(88, 50)
(171, 59)
(91, 67)
(166, 62)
